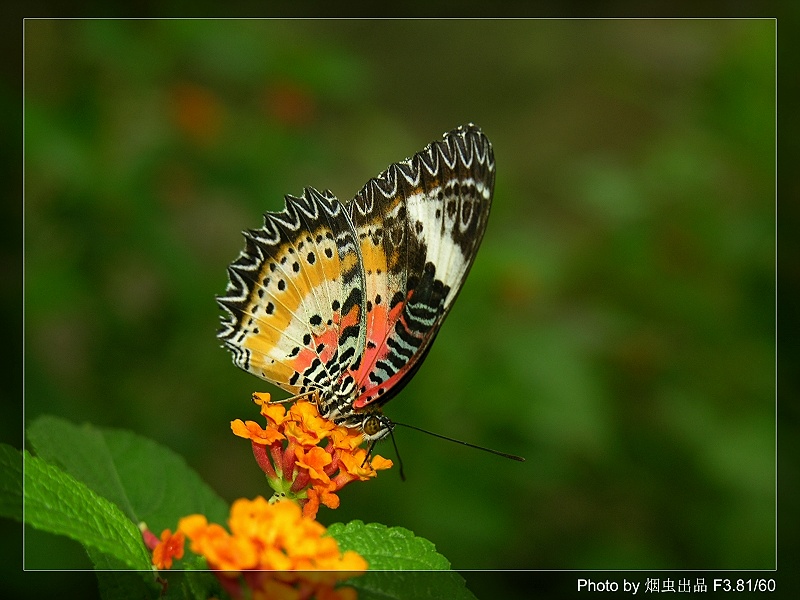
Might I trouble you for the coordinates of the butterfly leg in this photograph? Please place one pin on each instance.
(311, 396)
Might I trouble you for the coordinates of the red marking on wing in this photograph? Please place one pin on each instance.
(380, 327)
(329, 340)
(380, 324)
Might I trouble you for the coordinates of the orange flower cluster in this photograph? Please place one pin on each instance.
(272, 551)
(297, 467)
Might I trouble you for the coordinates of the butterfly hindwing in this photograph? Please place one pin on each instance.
(295, 296)
(419, 225)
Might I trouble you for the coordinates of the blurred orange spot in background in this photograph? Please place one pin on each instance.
(289, 104)
(197, 112)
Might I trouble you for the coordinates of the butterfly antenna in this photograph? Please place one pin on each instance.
(369, 452)
(449, 439)
(399, 460)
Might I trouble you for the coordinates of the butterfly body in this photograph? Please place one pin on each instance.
(343, 301)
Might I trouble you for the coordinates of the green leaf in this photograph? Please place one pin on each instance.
(58, 503)
(147, 481)
(81, 452)
(388, 548)
(401, 565)
(10, 482)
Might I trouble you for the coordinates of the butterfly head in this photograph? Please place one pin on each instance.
(376, 426)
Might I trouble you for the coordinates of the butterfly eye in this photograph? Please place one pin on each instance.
(371, 426)
(376, 427)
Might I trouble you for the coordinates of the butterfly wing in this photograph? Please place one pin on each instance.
(295, 298)
(419, 225)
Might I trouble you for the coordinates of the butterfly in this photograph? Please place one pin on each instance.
(342, 302)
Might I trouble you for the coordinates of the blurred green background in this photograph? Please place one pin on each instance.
(617, 328)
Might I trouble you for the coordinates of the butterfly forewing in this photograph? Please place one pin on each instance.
(294, 301)
(419, 225)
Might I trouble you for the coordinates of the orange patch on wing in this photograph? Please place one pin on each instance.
(373, 256)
